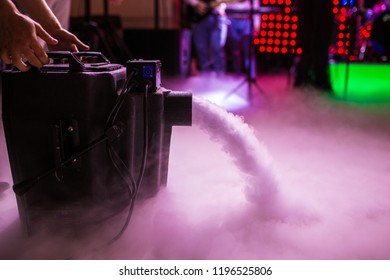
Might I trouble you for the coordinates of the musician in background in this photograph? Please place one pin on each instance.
(209, 27)
(239, 36)
(377, 6)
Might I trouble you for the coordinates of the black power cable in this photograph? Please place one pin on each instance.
(123, 170)
(113, 130)
(133, 193)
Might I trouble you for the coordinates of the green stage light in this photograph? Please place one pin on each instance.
(361, 82)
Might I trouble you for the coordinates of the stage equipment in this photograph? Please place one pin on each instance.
(85, 137)
(380, 32)
(375, 44)
(249, 80)
(174, 53)
(352, 29)
(101, 33)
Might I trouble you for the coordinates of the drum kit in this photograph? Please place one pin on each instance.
(374, 33)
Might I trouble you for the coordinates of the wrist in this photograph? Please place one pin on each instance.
(9, 13)
(39, 11)
(7, 7)
(51, 26)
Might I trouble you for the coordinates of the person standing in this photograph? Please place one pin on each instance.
(209, 27)
(240, 33)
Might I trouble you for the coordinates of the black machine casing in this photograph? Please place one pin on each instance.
(55, 123)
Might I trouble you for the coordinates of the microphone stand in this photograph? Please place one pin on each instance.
(103, 37)
(352, 27)
(249, 81)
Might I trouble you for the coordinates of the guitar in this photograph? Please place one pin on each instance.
(195, 16)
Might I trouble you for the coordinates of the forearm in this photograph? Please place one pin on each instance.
(7, 8)
(39, 11)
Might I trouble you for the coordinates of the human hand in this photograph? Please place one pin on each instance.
(66, 41)
(19, 41)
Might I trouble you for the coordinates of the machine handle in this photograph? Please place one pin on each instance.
(75, 65)
(76, 59)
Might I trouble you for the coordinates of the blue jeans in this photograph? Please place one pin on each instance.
(239, 38)
(209, 43)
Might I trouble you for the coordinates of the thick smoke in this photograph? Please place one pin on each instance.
(202, 222)
(316, 189)
(249, 155)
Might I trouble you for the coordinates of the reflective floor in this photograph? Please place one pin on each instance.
(287, 174)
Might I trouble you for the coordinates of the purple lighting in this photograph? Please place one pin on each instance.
(299, 177)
